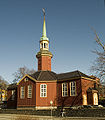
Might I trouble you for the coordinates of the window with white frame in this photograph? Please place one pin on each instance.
(73, 88)
(22, 92)
(29, 91)
(43, 90)
(64, 89)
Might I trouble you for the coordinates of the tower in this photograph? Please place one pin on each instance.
(44, 55)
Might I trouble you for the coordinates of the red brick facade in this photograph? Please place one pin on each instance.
(69, 100)
(26, 102)
(44, 63)
(54, 93)
(36, 101)
(51, 95)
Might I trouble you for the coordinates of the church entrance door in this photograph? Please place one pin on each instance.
(95, 99)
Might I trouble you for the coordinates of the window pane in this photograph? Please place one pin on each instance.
(73, 88)
(44, 86)
(29, 91)
(43, 90)
(22, 92)
(44, 94)
(64, 89)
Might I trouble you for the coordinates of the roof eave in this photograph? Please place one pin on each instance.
(74, 78)
(28, 77)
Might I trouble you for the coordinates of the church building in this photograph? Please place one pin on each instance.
(45, 89)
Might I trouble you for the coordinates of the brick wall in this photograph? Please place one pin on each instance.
(26, 101)
(51, 94)
(69, 100)
(44, 63)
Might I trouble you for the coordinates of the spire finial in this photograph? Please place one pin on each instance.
(43, 11)
(44, 36)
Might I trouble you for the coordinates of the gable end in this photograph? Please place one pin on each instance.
(25, 77)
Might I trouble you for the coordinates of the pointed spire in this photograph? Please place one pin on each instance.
(44, 28)
(44, 36)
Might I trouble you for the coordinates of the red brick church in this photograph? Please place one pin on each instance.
(46, 88)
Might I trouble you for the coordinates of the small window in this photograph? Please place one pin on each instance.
(44, 45)
(13, 95)
(26, 79)
(43, 90)
(73, 88)
(29, 91)
(22, 93)
(41, 45)
(64, 89)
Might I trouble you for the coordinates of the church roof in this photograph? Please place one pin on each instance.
(49, 75)
(12, 86)
(44, 75)
(73, 74)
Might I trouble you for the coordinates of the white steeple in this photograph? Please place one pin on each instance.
(44, 55)
(44, 41)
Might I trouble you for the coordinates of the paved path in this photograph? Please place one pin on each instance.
(34, 117)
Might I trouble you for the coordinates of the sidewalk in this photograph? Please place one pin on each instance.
(35, 117)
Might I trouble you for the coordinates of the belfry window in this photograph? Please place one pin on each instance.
(44, 45)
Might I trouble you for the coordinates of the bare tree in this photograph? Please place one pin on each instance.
(3, 83)
(3, 86)
(21, 72)
(99, 64)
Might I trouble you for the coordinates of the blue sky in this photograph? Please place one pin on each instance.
(68, 24)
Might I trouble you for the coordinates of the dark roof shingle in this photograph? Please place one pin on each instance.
(12, 86)
(49, 75)
(44, 75)
(73, 74)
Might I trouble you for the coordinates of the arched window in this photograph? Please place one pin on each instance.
(44, 45)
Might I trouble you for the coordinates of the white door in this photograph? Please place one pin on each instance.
(95, 99)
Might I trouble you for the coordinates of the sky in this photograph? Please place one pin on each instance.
(68, 24)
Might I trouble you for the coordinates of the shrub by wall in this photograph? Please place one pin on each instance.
(99, 112)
